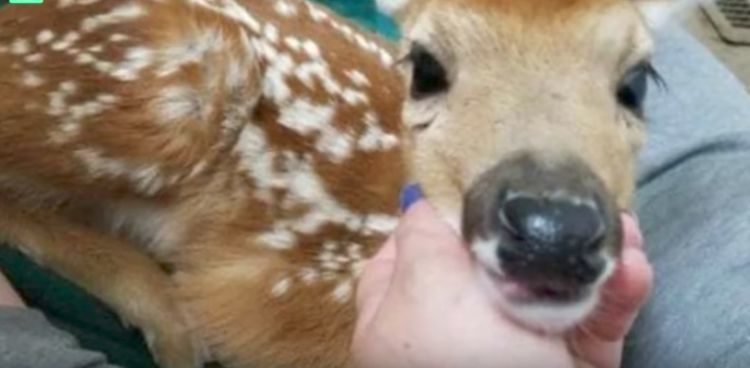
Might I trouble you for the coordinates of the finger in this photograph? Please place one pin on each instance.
(627, 290)
(373, 284)
(632, 236)
(423, 232)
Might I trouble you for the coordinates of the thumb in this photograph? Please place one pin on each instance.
(627, 289)
(428, 249)
(599, 340)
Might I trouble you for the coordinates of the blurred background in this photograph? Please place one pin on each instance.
(724, 27)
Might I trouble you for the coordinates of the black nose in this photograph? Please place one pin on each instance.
(551, 240)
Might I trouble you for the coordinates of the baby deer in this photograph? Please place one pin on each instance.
(218, 170)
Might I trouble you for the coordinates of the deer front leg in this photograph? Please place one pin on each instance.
(111, 270)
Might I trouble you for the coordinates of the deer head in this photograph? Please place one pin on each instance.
(525, 119)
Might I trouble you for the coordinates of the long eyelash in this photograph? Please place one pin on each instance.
(655, 75)
(407, 56)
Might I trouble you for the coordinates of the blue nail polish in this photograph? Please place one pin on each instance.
(409, 195)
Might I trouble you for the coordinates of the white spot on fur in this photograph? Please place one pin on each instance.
(347, 31)
(274, 83)
(343, 291)
(318, 68)
(305, 72)
(281, 287)
(20, 46)
(136, 59)
(374, 138)
(337, 145)
(71, 37)
(118, 37)
(31, 79)
(309, 276)
(117, 15)
(106, 98)
(304, 117)
(279, 239)
(354, 98)
(330, 246)
(44, 36)
(361, 41)
(85, 58)
(271, 33)
(256, 158)
(311, 49)
(385, 57)
(60, 45)
(57, 105)
(293, 43)
(316, 13)
(68, 87)
(34, 58)
(95, 48)
(359, 79)
(284, 8)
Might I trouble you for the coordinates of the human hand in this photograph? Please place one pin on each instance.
(8, 295)
(419, 305)
(598, 342)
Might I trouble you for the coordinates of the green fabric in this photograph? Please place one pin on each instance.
(70, 308)
(365, 13)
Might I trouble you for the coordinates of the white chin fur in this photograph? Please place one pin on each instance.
(547, 318)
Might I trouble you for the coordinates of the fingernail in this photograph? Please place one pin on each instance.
(409, 195)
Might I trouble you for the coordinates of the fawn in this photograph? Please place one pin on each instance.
(217, 171)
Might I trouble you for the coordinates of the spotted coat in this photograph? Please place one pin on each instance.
(252, 146)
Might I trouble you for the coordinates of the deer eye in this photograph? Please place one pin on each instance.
(428, 74)
(633, 88)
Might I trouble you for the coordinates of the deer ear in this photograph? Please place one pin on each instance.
(659, 12)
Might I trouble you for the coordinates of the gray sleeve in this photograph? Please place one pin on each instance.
(28, 340)
(694, 207)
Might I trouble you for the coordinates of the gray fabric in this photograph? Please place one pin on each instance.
(694, 205)
(28, 340)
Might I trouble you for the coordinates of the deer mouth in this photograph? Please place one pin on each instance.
(521, 292)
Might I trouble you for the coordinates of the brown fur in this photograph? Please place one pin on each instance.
(105, 192)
